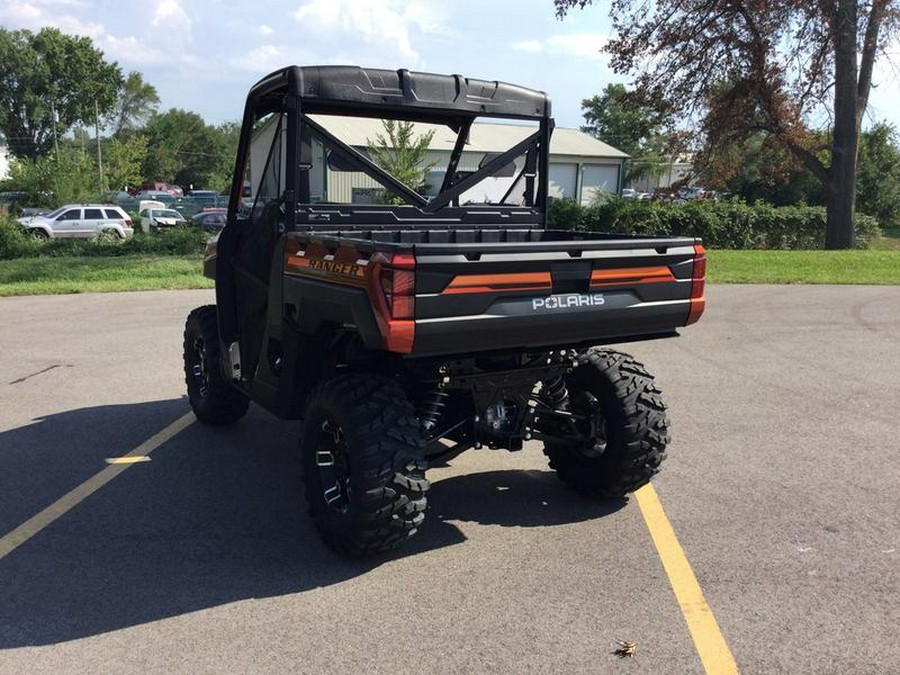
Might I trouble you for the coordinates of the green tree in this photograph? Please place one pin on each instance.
(399, 153)
(878, 176)
(226, 137)
(751, 66)
(181, 148)
(136, 103)
(633, 124)
(51, 181)
(122, 159)
(759, 169)
(45, 72)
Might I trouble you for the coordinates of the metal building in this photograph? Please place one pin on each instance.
(582, 168)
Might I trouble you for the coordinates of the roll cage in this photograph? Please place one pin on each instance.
(450, 100)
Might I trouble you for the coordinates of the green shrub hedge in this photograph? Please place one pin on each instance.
(16, 243)
(728, 224)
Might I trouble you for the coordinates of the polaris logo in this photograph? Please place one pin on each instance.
(567, 301)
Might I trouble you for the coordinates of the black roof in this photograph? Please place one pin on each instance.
(336, 88)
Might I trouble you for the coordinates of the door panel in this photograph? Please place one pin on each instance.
(67, 224)
(259, 235)
(92, 223)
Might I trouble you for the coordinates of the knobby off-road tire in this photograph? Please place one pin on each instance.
(636, 429)
(363, 466)
(214, 400)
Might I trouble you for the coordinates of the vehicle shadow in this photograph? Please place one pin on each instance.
(514, 498)
(215, 517)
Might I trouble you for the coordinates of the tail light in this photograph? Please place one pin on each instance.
(398, 283)
(394, 299)
(129, 223)
(698, 284)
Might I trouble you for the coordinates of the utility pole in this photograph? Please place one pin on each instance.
(55, 116)
(99, 152)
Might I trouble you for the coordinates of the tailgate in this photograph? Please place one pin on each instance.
(546, 296)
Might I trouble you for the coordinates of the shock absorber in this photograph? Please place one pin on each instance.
(433, 409)
(556, 392)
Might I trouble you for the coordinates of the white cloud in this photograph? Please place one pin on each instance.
(578, 44)
(582, 45)
(265, 30)
(39, 14)
(170, 13)
(132, 50)
(21, 14)
(386, 24)
(375, 20)
(74, 26)
(428, 18)
(268, 58)
(75, 4)
(260, 59)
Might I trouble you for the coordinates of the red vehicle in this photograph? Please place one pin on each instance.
(173, 190)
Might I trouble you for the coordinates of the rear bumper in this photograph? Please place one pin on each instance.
(517, 324)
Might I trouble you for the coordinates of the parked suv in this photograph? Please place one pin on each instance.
(80, 221)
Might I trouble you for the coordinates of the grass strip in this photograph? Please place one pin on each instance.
(52, 276)
(39, 276)
(881, 267)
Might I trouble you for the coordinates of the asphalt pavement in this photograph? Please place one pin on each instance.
(781, 485)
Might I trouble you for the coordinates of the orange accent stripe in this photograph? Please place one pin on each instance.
(536, 281)
(633, 275)
(487, 280)
(493, 283)
(493, 289)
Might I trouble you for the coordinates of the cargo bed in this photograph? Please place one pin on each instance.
(486, 289)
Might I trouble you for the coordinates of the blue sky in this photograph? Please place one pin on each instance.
(203, 55)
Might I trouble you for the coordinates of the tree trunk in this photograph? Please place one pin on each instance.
(841, 205)
(839, 230)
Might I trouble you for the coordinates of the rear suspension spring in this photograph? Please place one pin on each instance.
(555, 391)
(433, 409)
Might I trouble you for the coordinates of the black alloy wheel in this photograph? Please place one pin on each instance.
(213, 399)
(333, 464)
(363, 460)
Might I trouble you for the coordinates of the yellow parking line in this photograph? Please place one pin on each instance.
(64, 504)
(711, 647)
(127, 459)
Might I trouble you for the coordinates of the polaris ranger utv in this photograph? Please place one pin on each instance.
(404, 325)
